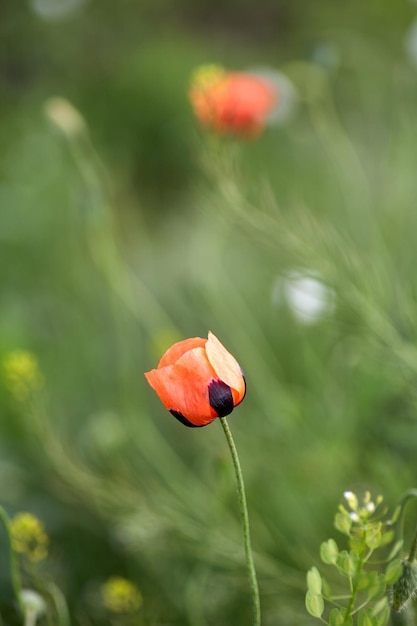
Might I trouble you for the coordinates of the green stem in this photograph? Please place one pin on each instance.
(13, 564)
(411, 493)
(245, 524)
(355, 586)
(413, 549)
(60, 605)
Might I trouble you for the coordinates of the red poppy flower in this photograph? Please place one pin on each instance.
(198, 380)
(232, 102)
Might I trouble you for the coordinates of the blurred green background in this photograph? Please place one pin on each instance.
(140, 229)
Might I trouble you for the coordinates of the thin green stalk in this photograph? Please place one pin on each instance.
(245, 524)
(407, 496)
(60, 605)
(13, 564)
(355, 587)
(413, 549)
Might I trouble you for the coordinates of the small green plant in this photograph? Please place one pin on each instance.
(365, 571)
(27, 594)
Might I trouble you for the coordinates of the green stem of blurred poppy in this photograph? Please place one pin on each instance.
(13, 564)
(245, 523)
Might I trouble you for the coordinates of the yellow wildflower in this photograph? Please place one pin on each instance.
(29, 536)
(121, 595)
(22, 374)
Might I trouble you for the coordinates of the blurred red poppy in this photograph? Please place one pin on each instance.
(236, 103)
(198, 380)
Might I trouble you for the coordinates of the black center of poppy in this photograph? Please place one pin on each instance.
(220, 397)
(180, 417)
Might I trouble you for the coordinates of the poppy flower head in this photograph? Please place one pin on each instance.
(236, 103)
(198, 380)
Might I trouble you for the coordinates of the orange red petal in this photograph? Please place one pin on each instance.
(198, 380)
(235, 102)
(172, 355)
(184, 392)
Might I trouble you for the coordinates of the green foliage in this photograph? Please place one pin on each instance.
(329, 552)
(393, 571)
(314, 603)
(314, 582)
(361, 600)
(337, 617)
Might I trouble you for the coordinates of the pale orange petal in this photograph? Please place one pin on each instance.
(173, 353)
(226, 367)
(196, 361)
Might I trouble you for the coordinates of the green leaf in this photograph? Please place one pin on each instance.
(379, 587)
(393, 571)
(373, 583)
(384, 616)
(314, 604)
(327, 592)
(381, 606)
(365, 618)
(329, 552)
(366, 580)
(343, 522)
(347, 563)
(373, 537)
(336, 617)
(387, 537)
(395, 549)
(314, 582)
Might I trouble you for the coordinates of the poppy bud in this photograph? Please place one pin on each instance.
(238, 103)
(406, 586)
(198, 380)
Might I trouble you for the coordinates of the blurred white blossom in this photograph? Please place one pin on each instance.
(351, 499)
(56, 10)
(327, 55)
(287, 95)
(306, 295)
(411, 43)
(34, 606)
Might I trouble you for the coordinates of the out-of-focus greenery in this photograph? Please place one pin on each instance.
(138, 230)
